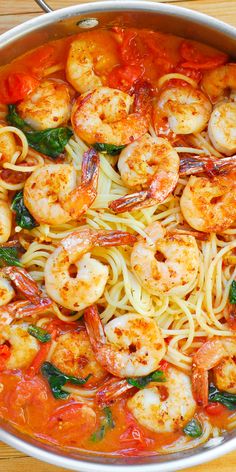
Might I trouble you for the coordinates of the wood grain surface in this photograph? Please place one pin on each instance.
(12, 13)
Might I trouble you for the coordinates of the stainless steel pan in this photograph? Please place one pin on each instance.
(70, 20)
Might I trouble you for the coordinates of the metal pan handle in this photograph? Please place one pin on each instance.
(44, 6)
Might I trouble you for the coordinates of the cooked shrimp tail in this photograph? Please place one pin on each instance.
(81, 198)
(114, 238)
(209, 165)
(215, 354)
(156, 193)
(24, 283)
(111, 390)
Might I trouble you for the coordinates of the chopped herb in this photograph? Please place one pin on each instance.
(225, 398)
(232, 293)
(39, 333)
(193, 429)
(107, 423)
(23, 217)
(58, 379)
(141, 382)
(50, 142)
(108, 148)
(9, 256)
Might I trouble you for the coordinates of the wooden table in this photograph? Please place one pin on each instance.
(13, 12)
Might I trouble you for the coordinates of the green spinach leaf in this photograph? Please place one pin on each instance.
(50, 142)
(23, 217)
(193, 429)
(39, 333)
(108, 148)
(107, 423)
(141, 382)
(225, 398)
(9, 256)
(232, 293)
(58, 379)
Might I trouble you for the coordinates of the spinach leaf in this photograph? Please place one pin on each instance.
(107, 423)
(232, 293)
(39, 333)
(9, 256)
(58, 379)
(193, 429)
(50, 142)
(23, 217)
(225, 398)
(108, 148)
(141, 382)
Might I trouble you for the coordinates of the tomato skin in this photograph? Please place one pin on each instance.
(124, 77)
(214, 409)
(194, 59)
(16, 86)
(164, 365)
(5, 353)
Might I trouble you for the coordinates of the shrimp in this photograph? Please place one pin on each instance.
(7, 145)
(48, 106)
(91, 54)
(217, 354)
(218, 81)
(104, 116)
(167, 265)
(209, 165)
(35, 302)
(7, 292)
(76, 291)
(221, 128)
(128, 346)
(186, 110)
(52, 195)
(5, 221)
(209, 205)
(73, 355)
(165, 415)
(150, 166)
(23, 346)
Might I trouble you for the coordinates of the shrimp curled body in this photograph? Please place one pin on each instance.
(48, 106)
(186, 109)
(167, 265)
(87, 286)
(209, 205)
(103, 116)
(216, 354)
(131, 345)
(169, 415)
(52, 194)
(150, 166)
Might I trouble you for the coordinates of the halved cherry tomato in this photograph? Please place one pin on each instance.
(70, 423)
(124, 77)
(164, 365)
(5, 352)
(16, 86)
(28, 392)
(196, 60)
(215, 409)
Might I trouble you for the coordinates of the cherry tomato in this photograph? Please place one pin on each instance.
(5, 353)
(195, 59)
(214, 409)
(16, 86)
(27, 393)
(164, 365)
(123, 77)
(71, 422)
